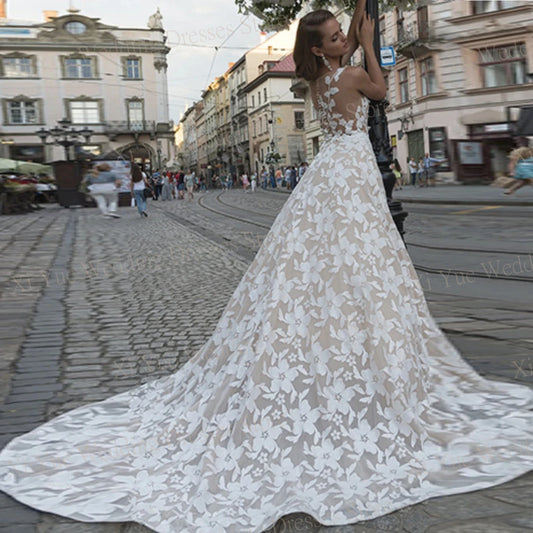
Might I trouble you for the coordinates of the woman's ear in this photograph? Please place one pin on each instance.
(316, 50)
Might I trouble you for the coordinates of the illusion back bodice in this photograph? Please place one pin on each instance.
(340, 111)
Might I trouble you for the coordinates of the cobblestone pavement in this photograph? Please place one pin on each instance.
(91, 307)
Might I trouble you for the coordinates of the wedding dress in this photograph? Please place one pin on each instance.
(326, 388)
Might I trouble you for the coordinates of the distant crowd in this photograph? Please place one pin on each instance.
(166, 185)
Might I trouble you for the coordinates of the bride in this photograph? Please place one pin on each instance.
(326, 387)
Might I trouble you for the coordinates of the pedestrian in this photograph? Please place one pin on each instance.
(189, 183)
(279, 177)
(203, 187)
(413, 170)
(520, 168)
(287, 178)
(230, 180)
(166, 191)
(254, 181)
(138, 184)
(293, 177)
(103, 187)
(430, 167)
(326, 386)
(420, 173)
(181, 185)
(245, 182)
(157, 184)
(272, 177)
(264, 178)
(398, 175)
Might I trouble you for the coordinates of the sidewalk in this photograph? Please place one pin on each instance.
(457, 193)
(464, 194)
(92, 307)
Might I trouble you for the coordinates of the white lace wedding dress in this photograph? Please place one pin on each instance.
(326, 388)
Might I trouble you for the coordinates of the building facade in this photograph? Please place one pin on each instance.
(276, 117)
(109, 80)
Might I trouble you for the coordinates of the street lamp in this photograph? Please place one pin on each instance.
(379, 132)
(64, 135)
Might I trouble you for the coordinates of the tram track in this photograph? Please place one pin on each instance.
(422, 268)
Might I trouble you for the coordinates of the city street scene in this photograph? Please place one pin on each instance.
(146, 151)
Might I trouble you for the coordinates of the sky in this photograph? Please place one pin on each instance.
(194, 28)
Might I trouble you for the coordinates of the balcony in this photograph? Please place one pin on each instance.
(113, 128)
(416, 40)
(126, 127)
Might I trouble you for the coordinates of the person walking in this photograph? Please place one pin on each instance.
(189, 183)
(166, 190)
(158, 184)
(245, 182)
(520, 168)
(326, 386)
(138, 184)
(103, 187)
(413, 170)
(396, 170)
(253, 182)
(181, 185)
(264, 178)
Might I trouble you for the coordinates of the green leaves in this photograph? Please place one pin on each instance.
(277, 15)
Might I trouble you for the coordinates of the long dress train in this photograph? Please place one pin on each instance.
(326, 388)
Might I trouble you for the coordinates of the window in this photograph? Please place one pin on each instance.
(427, 76)
(486, 6)
(75, 28)
(22, 111)
(18, 67)
(503, 65)
(260, 124)
(253, 101)
(135, 115)
(315, 145)
(259, 98)
(299, 122)
(84, 111)
(265, 94)
(437, 145)
(314, 112)
(404, 85)
(266, 124)
(255, 133)
(132, 68)
(423, 22)
(78, 67)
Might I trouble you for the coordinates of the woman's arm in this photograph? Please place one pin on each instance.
(351, 35)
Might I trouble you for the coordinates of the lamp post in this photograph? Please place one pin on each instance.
(379, 131)
(65, 135)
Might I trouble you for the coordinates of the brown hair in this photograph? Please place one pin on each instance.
(523, 152)
(309, 35)
(136, 173)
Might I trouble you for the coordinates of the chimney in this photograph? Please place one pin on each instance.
(2, 9)
(48, 15)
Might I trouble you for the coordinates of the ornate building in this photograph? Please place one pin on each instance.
(102, 78)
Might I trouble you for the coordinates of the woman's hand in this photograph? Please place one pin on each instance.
(365, 32)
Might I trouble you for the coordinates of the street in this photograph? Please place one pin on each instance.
(92, 306)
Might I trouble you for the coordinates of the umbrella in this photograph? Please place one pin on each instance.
(23, 167)
(35, 168)
(7, 165)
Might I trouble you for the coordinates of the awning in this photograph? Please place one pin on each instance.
(487, 116)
